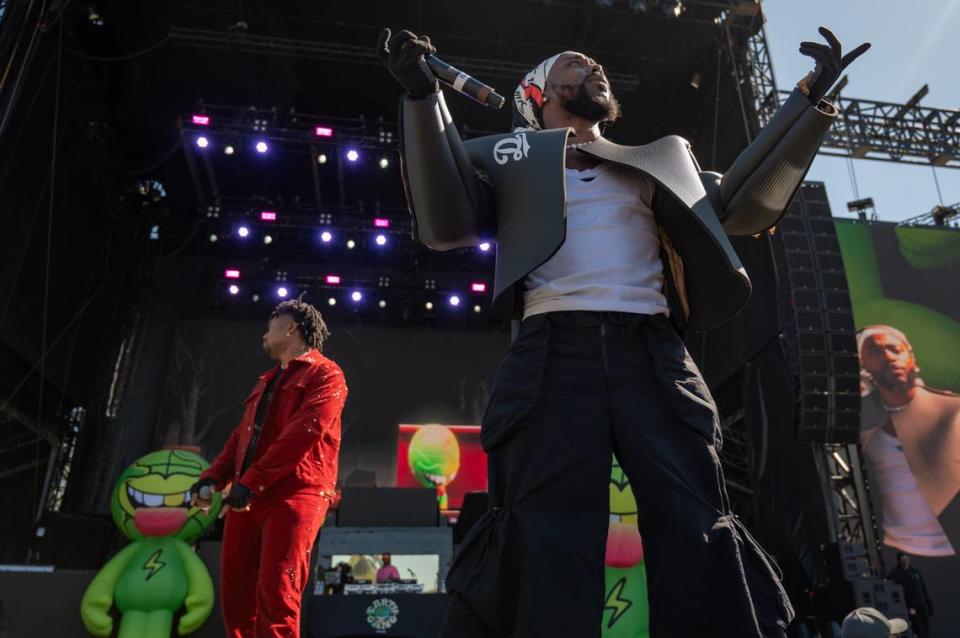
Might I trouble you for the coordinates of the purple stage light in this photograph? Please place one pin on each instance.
(243, 231)
(201, 120)
(262, 147)
(202, 142)
(268, 216)
(381, 240)
(231, 273)
(323, 131)
(282, 291)
(326, 237)
(353, 155)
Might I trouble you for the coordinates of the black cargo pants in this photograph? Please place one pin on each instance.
(574, 388)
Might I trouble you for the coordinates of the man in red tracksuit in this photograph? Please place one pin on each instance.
(278, 470)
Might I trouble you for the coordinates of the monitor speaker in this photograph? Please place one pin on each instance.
(388, 507)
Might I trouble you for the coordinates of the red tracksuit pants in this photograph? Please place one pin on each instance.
(265, 564)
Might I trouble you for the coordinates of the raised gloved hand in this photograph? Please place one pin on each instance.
(403, 54)
(239, 497)
(830, 63)
(202, 491)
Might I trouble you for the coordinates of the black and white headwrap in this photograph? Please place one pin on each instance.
(528, 96)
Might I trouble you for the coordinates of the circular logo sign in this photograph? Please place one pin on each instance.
(382, 614)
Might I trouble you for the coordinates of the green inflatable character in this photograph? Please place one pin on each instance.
(625, 610)
(434, 458)
(158, 572)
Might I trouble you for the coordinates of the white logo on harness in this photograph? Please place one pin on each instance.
(511, 148)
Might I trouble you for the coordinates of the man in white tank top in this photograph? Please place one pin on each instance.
(914, 455)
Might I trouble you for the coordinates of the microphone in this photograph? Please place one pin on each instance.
(205, 492)
(463, 83)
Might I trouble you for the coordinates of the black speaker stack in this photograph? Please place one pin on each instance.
(818, 320)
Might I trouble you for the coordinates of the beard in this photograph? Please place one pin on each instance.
(602, 109)
(889, 381)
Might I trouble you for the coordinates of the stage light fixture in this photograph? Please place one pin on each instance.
(243, 231)
(356, 295)
(322, 158)
(353, 155)
(381, 240)
(326, 237)
(382, 304)
(262, 147)
(200, 120)
(255, 297)
(671, 8)
(351, 244)
(454, 300)
(213, 237)
(267, 239)
(203, 142)
(384, 162)
(332, 301)
(282, 291)
(228, 150)
(231, 273)
(234, 289)
(323, 131)
(333, 280)
(381, 222)
(477, 309)
(268, 216)
(428, 305)
(485, 246)
(478, 286)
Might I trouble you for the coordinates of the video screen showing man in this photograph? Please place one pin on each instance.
(914, 448)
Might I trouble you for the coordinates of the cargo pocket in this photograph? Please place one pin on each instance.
(685, 389)
(770, 601)
(475, 572)
(518, 386)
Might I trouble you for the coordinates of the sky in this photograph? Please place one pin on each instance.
(914, 43)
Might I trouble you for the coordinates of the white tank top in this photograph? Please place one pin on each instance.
(908, 521)
(610, 260)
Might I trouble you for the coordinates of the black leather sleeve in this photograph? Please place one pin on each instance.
(450, 205)
(758, 187)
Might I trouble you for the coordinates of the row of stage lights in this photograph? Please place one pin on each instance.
(245, 232)
(283, 291)
(262, 146)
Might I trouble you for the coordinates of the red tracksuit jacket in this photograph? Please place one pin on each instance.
(300, 439)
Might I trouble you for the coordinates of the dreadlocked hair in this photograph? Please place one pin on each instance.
(308, 319)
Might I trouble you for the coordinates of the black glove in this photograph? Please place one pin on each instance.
(403, 54)
(830, 64)
(239, 496)
(207, 482)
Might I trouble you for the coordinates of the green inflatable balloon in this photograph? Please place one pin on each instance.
(158, 573)
(434, 459)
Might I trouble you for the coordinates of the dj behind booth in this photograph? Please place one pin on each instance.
(381, 563)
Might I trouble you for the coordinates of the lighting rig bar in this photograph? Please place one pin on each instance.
(337, 52)
(940, 216)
